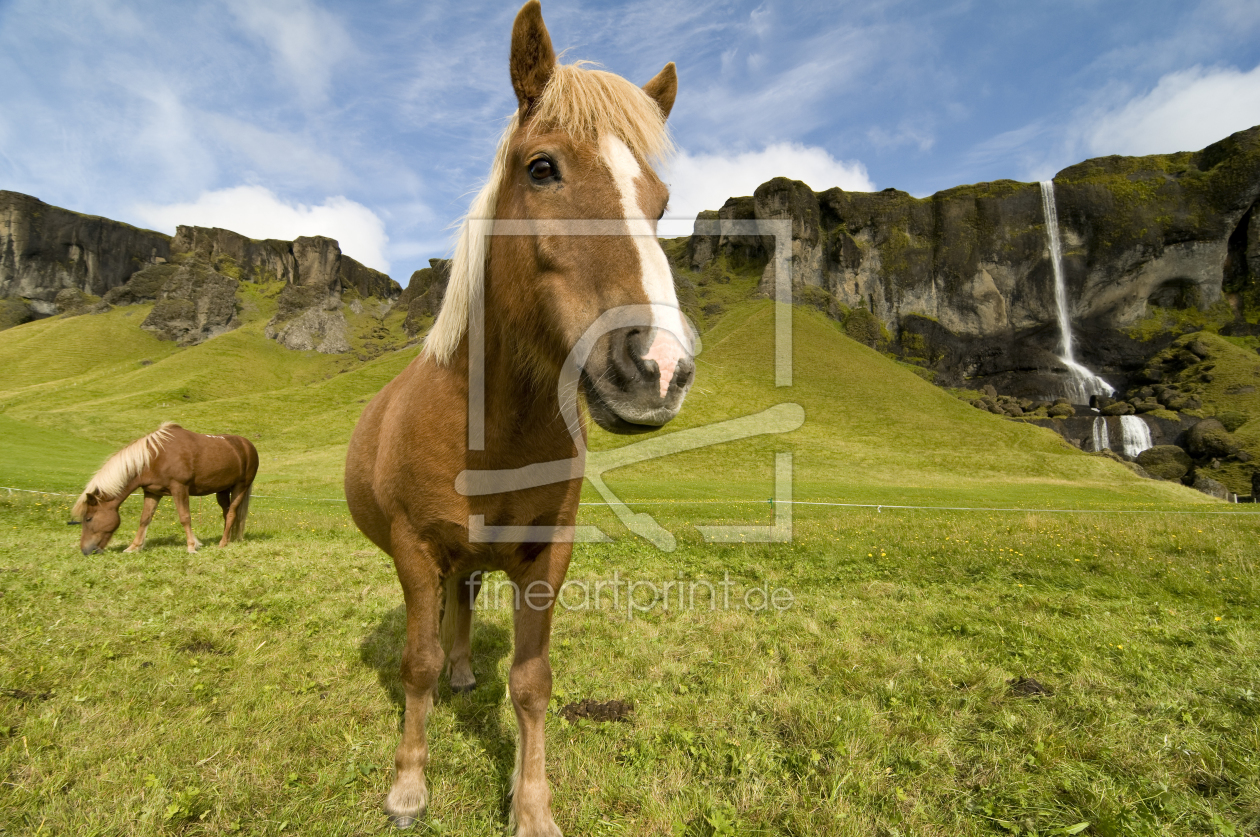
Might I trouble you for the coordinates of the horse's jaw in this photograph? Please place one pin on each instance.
(620, 413)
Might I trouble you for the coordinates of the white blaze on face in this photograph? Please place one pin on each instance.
(670, 335)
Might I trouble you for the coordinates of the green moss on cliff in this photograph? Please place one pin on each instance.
(1160, 322)
(228, 267)
(705, 295)
(1161, 199)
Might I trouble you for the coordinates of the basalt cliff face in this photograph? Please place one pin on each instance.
(963, 281)
(54, 261)
(45, 250)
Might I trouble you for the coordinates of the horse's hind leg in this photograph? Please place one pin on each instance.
(150, 506)
(461, 593)
(229, 512)
(421, 668)
(179, 493)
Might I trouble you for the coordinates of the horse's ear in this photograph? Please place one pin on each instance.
(91, 499)
(663, 88)
(533, 59)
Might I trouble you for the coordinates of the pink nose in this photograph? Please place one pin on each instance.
(667, 353)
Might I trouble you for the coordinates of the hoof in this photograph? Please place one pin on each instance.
(407, 802)
(132, 549)
(463, 688)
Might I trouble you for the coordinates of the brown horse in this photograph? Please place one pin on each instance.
(567, 288)
(169, 461)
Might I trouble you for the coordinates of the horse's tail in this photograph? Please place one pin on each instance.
(242, 511)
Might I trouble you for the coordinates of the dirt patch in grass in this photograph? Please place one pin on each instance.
(591, 710)
(1028, 687)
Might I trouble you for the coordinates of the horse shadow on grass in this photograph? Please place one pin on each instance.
(177, 539)
(477, 713)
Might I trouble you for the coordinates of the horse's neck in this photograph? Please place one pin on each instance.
(127, 491)
(522, 405)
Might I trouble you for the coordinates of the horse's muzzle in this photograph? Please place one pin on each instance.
(640, 384)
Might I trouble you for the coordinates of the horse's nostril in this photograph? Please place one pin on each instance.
(683, 374)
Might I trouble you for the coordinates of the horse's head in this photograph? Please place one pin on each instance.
(99, 520)
(574, 262)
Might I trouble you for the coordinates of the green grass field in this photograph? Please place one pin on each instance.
(1074, 654)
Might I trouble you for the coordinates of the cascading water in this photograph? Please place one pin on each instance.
(1135, 435)
(1081, 382)
(1101, 439)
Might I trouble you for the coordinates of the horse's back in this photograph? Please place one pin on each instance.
(206, 463)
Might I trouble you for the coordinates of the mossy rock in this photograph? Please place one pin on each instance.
(1061, 411)
(144, 285)
(865, 327)
(71, 301)
(1210, 487)
(821, 300)
(1165, 462)
(296, 299)
(14, 312)
(1209, 439)
(1232, 419)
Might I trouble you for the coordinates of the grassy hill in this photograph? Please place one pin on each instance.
(938, 672)
(874, 431)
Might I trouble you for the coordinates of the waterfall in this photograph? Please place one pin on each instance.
(1081, 383)
(1101, 440)
(1135, 435)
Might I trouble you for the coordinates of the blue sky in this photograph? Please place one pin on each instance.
(374, 121)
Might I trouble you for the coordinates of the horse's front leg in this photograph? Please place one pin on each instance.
(150, 506)
(179, 494)
(421, 668)
(461, 594)
(529, 683)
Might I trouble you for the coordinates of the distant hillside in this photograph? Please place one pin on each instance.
(874, 430)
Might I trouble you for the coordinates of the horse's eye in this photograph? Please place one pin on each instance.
(542, 169)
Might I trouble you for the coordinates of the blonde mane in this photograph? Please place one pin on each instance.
(587, 104)
(123, 466)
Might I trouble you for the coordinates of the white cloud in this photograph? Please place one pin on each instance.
(307, 42)
(1186, 111)
(705, 181)
(258, 213)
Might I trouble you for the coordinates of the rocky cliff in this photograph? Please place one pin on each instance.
(54, 261)
(45, 250)
(317, 278)
(963, 281)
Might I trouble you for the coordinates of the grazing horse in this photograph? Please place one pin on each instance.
(169, 461)
(558, 284)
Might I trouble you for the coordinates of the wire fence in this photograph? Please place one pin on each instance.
(879, 507)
